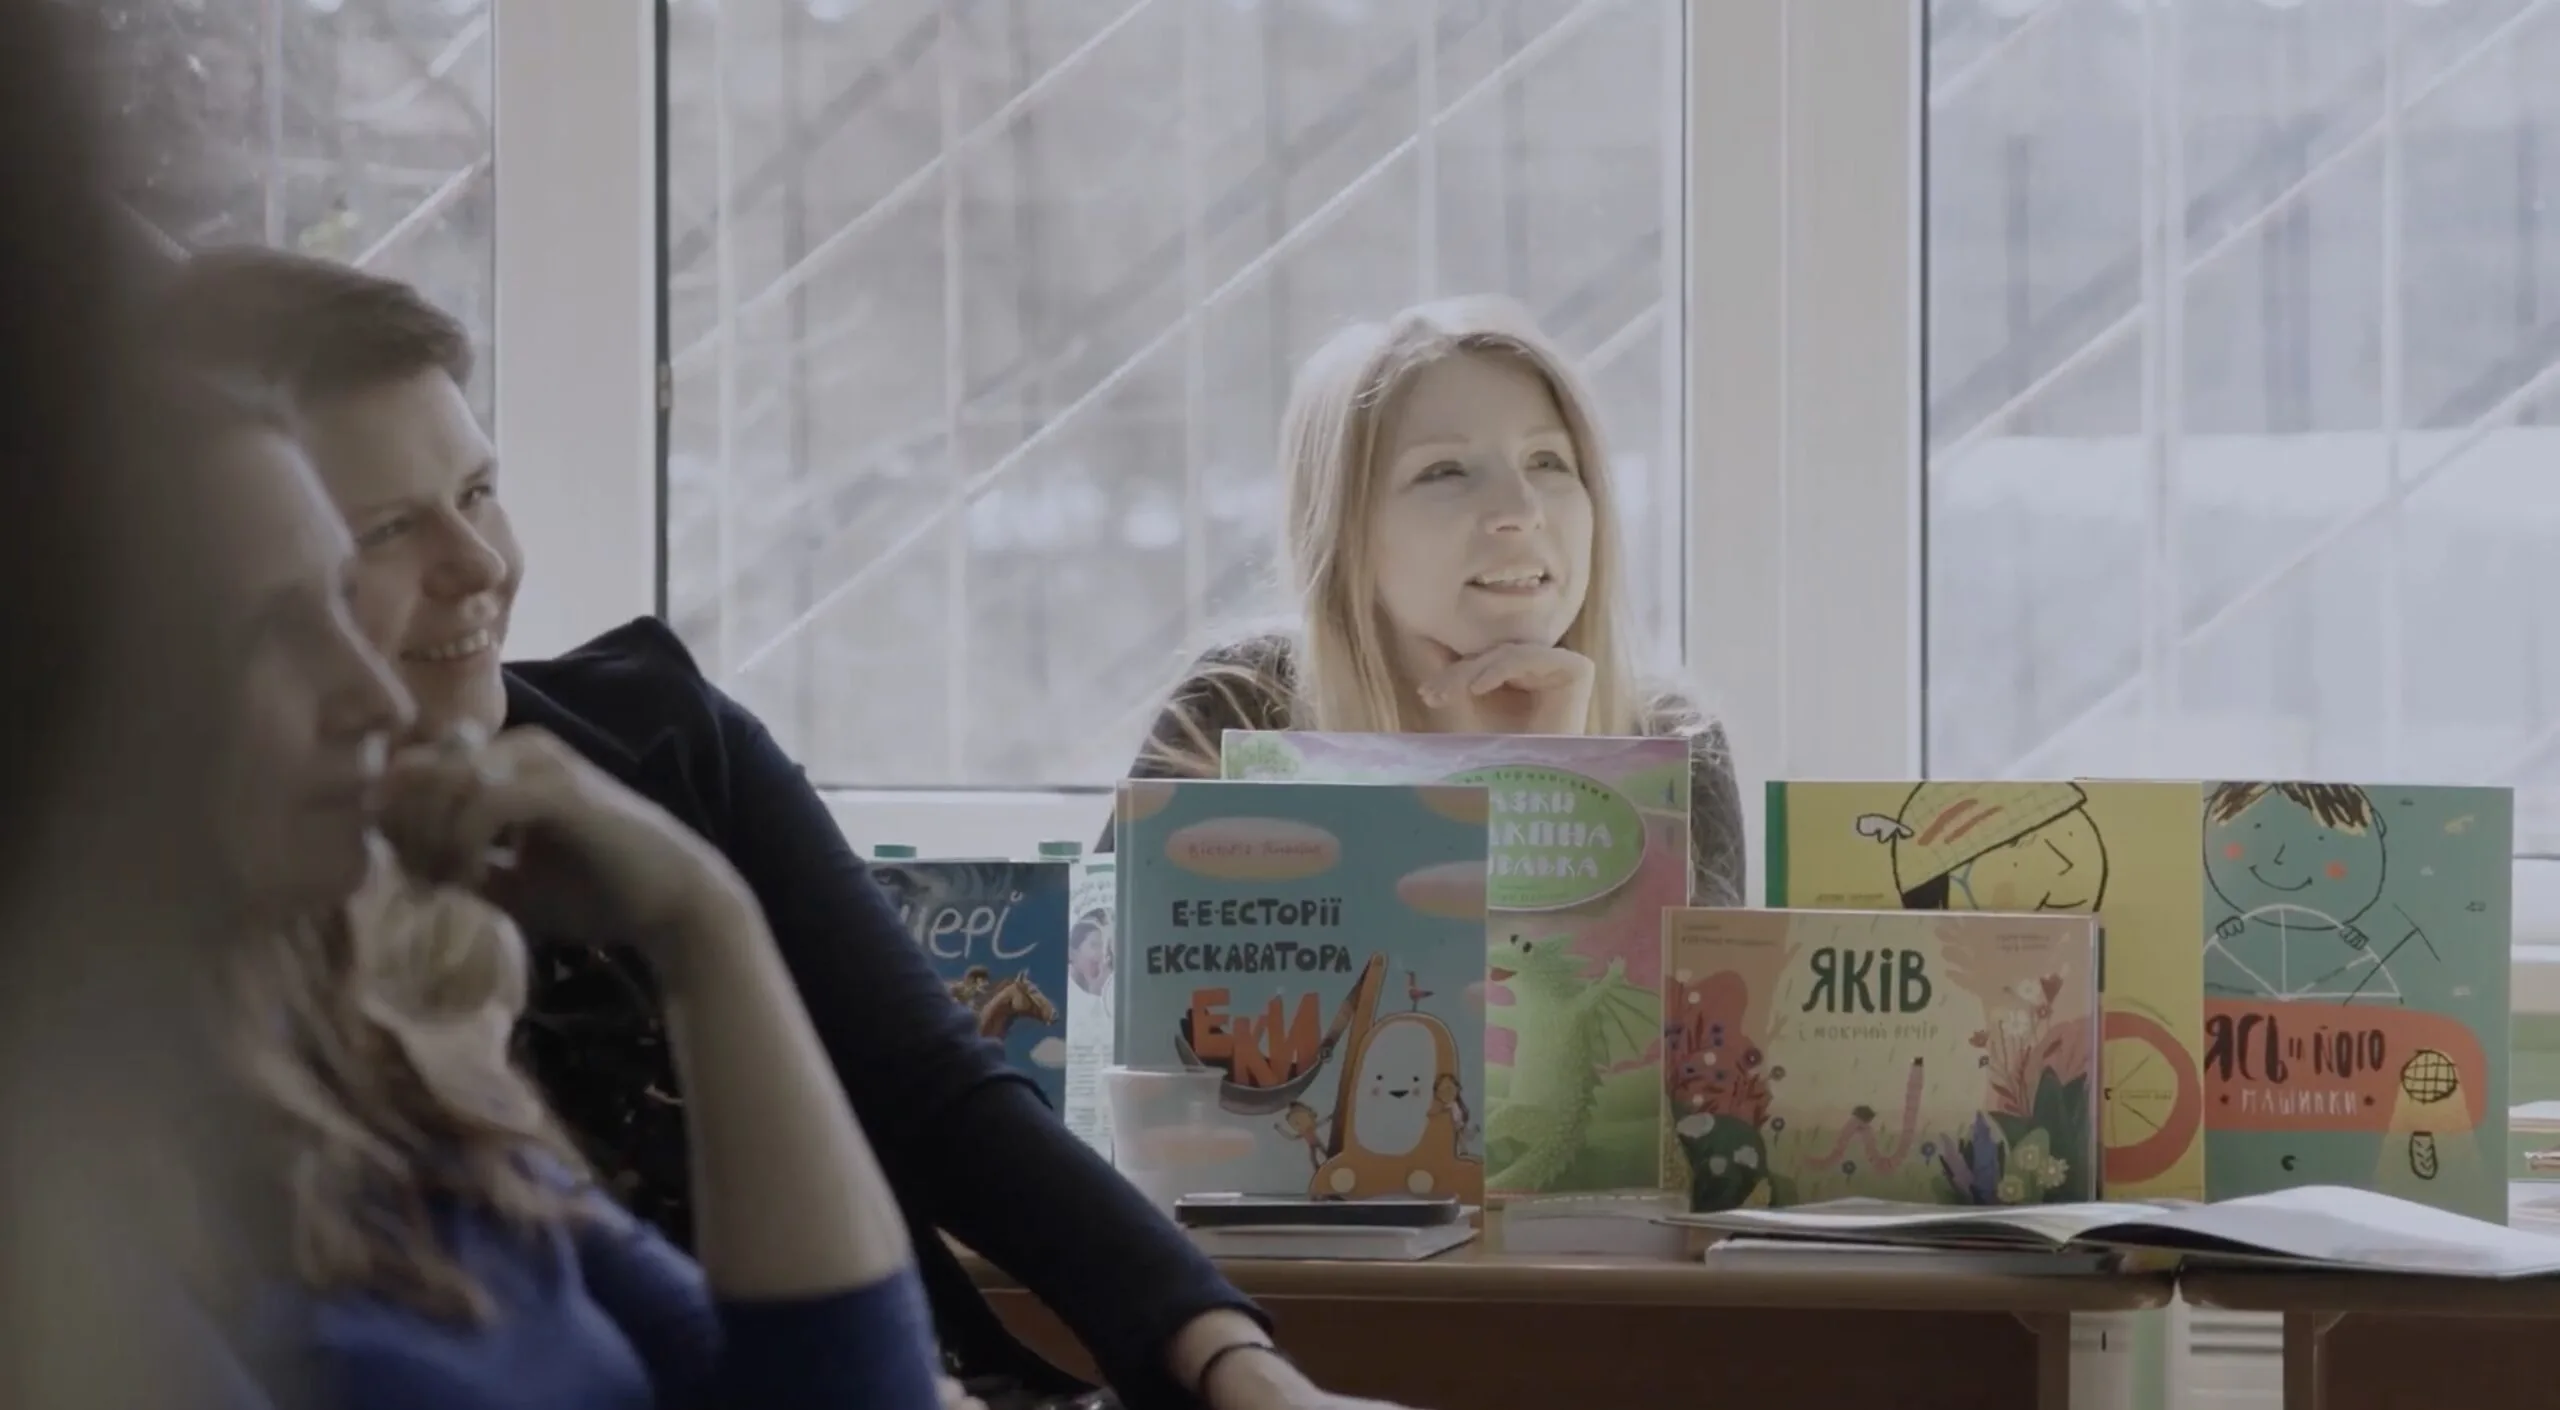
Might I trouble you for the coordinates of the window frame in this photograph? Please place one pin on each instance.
(1800, 155)
(577, 342)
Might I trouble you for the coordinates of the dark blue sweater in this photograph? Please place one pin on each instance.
(606, 1317)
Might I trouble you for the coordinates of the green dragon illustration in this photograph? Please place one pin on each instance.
(1569, 1031)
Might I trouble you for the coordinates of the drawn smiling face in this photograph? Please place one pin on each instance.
(2276, 855)
(2061, 866)
(1398, 1066)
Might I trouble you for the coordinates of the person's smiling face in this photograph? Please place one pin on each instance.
(2277, 855)
(1480, 526)
(437, 563)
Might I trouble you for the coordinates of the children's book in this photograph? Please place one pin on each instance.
(2356, 968)
(2306, 1226)
(996, 931)
(2128, 851)
(1090, 1025)
(1320, 947)
(1928, 1059)
(1590, 843)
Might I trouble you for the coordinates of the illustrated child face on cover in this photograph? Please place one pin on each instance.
(1089, 955)
(2312, 851)
(1480, 528)
(1398, 1067)
(1995, 847)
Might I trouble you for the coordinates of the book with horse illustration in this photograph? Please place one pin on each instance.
(1321, 947)
(996, 931)
(1926, 1059)
(1590, 845)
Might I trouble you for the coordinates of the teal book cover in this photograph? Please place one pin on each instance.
(1321, 948)
(1590, 846)
(996, 931)
(2356, 972)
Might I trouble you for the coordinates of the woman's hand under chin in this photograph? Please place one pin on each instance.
(566, 850)
(1513, 688)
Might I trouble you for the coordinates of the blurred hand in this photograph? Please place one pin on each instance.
(570, 853)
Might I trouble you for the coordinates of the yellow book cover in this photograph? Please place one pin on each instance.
(2131, 849)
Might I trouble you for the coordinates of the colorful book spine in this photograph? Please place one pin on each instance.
(2129, 851)
(1320, 947)
(1590, 844)
(1945, 1059)
(1091, 1025)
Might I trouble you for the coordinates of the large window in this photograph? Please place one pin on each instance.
(982, 313)
(356, 130)
(2243, 367)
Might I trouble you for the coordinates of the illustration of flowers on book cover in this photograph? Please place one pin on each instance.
(2123, 850)
(1319, 946)
(1936, 1059)
(1590, 845)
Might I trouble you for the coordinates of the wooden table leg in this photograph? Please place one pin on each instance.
(2304, 1378)
(2052, 1331)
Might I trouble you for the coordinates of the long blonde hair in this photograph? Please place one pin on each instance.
(1335, 671)
(377, 1040)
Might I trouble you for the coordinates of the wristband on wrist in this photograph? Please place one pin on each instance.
(1208, 1368)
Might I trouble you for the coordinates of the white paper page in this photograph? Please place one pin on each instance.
(2055, 1223)
(2335, 1225)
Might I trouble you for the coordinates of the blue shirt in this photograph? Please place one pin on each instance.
(606, 1316)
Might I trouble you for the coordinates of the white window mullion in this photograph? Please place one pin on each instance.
(1803, 318)
(576, 344)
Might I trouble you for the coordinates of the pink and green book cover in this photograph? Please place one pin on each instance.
(1943, 1058)
(1589, 846)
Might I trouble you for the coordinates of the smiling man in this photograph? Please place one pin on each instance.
(376, 375)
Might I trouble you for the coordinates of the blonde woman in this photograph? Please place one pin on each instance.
(433, 1244)
(1452, 543)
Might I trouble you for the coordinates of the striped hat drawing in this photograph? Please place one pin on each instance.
(1942, 826)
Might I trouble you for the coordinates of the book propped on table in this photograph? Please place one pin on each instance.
(2313, 1227)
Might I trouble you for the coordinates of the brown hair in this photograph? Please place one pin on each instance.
(316, 328)
(2340, 806)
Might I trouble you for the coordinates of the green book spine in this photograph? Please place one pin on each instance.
(1773, 844)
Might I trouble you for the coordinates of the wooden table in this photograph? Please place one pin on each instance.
(2375, 1342)
(1479, 1330)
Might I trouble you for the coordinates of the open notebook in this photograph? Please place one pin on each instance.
(2315, 1226)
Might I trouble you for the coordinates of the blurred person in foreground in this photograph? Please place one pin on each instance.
(110, 886)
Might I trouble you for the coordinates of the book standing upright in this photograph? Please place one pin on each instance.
(996, 931)
(1820, 1055)
(2356, 974)
(1320, 947)
(1590, 844)
(2126, 851)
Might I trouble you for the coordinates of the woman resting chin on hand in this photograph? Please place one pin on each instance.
(1453, 541)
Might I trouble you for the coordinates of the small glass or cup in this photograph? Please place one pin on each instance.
(1168, 1135)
